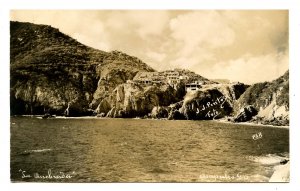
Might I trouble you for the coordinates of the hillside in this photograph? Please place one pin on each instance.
(53, 73)
(270, 100)
(50, 70)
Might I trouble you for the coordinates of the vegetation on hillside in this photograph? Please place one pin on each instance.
(50, 70)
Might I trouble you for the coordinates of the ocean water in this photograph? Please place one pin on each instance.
(138, 150)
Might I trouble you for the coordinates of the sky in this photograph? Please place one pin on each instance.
(248, 46)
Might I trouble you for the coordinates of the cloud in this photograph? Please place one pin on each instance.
(250, 69)
(143, 23)
(236, 45)
(197, 35)
(159, 57)
(206, 28)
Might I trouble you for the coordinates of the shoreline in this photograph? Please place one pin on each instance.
(95, 117)
(252, 124)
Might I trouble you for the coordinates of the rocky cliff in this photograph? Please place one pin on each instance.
(269, 102)
(136, 100)
(51, 72)
(210, 102)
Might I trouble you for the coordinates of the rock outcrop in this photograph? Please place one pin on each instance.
(212, 101)
(269, 99)
(174, 113)
(159, 112)
(136, 100)
(245, 114)
(116, 69)
(205, 104)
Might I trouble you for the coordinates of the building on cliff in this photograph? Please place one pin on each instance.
(173, 80)
(193, 86)
(148, 78)
(175, 76)
(171, 77)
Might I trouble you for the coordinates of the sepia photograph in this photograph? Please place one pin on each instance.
(149, 96)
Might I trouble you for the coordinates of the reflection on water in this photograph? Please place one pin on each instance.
(130, 150)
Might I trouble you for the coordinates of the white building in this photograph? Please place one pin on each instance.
(193, 86)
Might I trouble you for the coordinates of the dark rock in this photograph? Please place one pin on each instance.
(175, 115)
(284, 161)
(47, 115)
(159, 112)
(176, 106)
(246, 114)
(205, 105)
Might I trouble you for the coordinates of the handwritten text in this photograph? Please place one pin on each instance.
(48, 175)
(224, 177)
(257, 136)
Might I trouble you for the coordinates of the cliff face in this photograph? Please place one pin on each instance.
(51, 72)
(211, 102)
(133, 99)
(269, 99)
(163, 101)
(116, 69)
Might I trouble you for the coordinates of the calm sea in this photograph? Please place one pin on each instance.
(137, 150)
